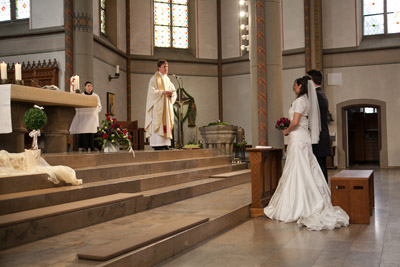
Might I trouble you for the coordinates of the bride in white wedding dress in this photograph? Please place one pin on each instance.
(302, 194)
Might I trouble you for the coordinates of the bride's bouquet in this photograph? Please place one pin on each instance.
(282, 123)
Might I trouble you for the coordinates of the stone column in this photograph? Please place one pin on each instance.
(258, 78)
(313, 34)
(69, 46)
(83, 41)
(273, 36)
(265, 71)
(128, 61)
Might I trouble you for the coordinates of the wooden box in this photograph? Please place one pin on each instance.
(353, 191)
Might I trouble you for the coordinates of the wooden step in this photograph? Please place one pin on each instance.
(244, 172)
(16, 202)
(26, 226)
(131, 242)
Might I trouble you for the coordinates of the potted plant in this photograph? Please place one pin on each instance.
(34, 120)
(112, 136)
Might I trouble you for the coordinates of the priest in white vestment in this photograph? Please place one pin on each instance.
(161, 96)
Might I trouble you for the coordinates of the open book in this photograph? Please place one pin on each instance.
(263, 147)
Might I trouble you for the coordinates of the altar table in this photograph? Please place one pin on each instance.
(59, 107)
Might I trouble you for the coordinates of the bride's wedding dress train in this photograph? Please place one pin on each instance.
(302, 194)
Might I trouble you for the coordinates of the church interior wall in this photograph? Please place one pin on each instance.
(54, 10)
(206, 29)
(101, 85)
(292, 24)
(237, 102)
(230, 31)
(370, 82)
(340, 23)
(141, 27)
(96, 17)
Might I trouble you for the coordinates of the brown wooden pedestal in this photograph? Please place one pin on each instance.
(266, 170)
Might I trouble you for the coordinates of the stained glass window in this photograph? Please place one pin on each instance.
(381, 17)
(14, 9)
(171, 23)
(103, 17)
(22, 10)
(5, 10)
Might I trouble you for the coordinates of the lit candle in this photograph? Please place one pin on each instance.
(17, 71)
(77, 82)
(117, 69)
(3, 71)
(72, 84)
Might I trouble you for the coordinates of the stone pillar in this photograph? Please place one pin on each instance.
(83, 41)
(69, 46)
(273, 36)
(313, 34)
(265, 71)
(219, 38)
(258, 78)
(128, 62)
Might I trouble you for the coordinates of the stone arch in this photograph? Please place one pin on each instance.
(341, 135)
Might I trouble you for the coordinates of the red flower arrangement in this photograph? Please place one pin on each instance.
(111, 133)
(282, 123)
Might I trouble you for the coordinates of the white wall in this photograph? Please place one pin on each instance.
(339, 23)
(293, 24)
(206, 29)
(141, 27)
(101, 85)
(370, 82)
(53, 16)
(237, 102)
(230, 29)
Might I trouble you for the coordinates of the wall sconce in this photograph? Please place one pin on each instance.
(243, 2)
(244, 27)
(244, 47)
(245, 37)
(116, 74)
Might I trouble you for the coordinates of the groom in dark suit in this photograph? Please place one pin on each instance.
(323, 148)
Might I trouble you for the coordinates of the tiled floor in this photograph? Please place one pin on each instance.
(263, 242)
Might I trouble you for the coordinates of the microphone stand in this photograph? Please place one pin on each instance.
(180, 113)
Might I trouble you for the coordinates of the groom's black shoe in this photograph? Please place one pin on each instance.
(158, 147)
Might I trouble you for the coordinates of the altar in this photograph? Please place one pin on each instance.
(59, 107)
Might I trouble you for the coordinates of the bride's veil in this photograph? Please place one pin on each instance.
(314, 120)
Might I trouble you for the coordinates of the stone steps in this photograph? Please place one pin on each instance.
(20, 201)
(27, 226)
(224, 208)
(14, 231)
(81, 160)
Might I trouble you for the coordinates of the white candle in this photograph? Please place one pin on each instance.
(3, 71)
(77, 82)
(72, 84)
(17, 71)
(117, 69)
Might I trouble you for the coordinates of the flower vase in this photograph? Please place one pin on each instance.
(32, 159)
(109, 148)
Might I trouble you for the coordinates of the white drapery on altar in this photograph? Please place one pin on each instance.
(5, 109)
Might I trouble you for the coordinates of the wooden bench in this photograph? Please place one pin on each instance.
(353, 191)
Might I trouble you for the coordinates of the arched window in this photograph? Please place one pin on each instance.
(14, 10)
(381, 17)
(171, 23)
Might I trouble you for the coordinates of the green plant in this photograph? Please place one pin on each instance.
(35, 119)
(218, 123)
(241, 144)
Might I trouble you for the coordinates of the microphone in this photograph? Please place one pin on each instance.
(176, 76)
